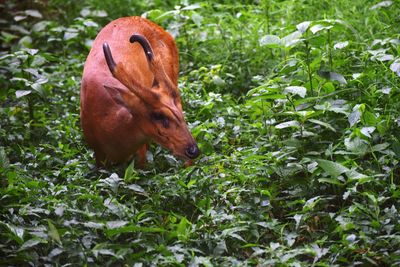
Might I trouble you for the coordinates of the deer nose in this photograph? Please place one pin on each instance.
(192, 151)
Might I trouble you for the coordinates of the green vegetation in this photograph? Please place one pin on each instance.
(295, 105)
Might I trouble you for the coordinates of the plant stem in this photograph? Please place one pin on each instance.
(267, 15)
(308, 66)
(30, 108)
(330, 50)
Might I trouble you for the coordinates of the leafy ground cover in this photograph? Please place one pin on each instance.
(295, 105)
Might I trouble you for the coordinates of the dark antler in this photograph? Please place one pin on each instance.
(109, 59)
(145, 44)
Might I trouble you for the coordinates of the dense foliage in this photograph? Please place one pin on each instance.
(295, 105)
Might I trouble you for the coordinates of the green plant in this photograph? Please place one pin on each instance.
(295, 105)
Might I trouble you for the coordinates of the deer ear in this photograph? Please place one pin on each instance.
(120, 96)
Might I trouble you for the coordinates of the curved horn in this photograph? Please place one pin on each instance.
(109, 59)
(145, 44)
(156, 65)
(118, 71)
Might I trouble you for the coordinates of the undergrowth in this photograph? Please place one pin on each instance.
(295, 106)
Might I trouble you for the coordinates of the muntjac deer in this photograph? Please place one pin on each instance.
(129, 94)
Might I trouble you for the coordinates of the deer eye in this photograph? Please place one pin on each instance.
(159, 117)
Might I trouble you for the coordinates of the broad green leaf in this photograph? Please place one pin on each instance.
(302, 113)
(32, 52)
(381, 4)
(297, 218)
(367, 131)
(19, 18)
(384, 57)
(296, 90)
(70, 35)
(136, 188)
(334, 169)
(85, 12)
(89, 23)
(7, 37)
(354, 175)
(370, 118)
(218, 81)
(302, 27)
(20, 29)
(103, 251)
(371, 197)
(33, 13)
(341, 45)
(270, 41)
(130, 172)
(55, 252)
(395, 67)
(25, 41)
(192, 7)
(291, 39)
(40, 26)
(4, 161)
(283, 125)
(354, 117)
(201, 261)
(232, 232)
(272, 96)
(133, 228)
(21, 93)
(53, 232)
(274, 245)
(99, 13)
(183, 229)
(197, 19)
(59, 211)
(94, 225)
(220, 248)
(356, 145)
(115, 224)
(17, 232)
(311, 203)
(325, 124)
(312, 167)
(386, 90)
(380, 147)
(333, 76)
(30, 243)
(318, 27)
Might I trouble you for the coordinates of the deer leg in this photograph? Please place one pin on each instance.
(141, 156)
(101, 160)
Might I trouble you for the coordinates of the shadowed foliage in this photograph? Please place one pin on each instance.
(294, 104)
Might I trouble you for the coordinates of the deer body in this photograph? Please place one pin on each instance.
(129, 93)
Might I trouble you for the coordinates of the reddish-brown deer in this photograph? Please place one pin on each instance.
(129, 94)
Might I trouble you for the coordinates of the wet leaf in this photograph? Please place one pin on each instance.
(287, 124)
(270, 41)
(296, 90)
(395, 67)
(33, 13)
(381, 4)
(341, 45)
(30, 243)
(332, 76)
(367, 131)
(302, 27)
(21, 93)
